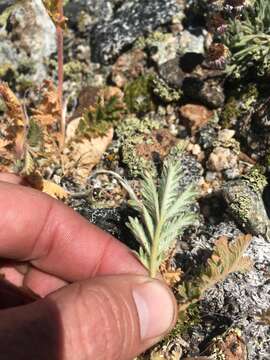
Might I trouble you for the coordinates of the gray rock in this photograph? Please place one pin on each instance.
(98, 10)
(5, 4)
(191, 170)
(208, 92)
(28, 39)
(190, 43)
(247, 207)
(242, 297)
(162, 47)
(171, 73)
(207, 136)
(111, 220)
(235, 302)
(33, 29)
(131, 20)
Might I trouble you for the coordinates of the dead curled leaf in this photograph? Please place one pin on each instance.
(14, 106)
(227, 257)
(4, 143)
(48, 111)
(47, 186)
(81, 155)
(17, 118)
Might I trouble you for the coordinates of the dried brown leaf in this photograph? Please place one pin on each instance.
(4, 143)
(18, 121)
(54, 190)
(226, 259)
(82, 155)
(46, 186)
(49, 110)
(14, 107)
(170, 273)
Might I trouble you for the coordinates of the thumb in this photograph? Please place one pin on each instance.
(106, 318)
(113, 317)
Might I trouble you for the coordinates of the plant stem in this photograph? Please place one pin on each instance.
(60, 59)
(154, 251)
(122, 181)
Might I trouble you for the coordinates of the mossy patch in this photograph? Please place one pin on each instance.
(97, 119)
(238, 105)
(139, 96)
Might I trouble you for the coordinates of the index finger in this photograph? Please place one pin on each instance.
(37, 228)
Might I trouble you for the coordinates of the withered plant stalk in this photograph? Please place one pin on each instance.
(60, 57)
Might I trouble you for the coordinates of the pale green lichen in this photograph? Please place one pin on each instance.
(151, 40)
(5, 15)
(241, 207)
(136, 164)
(72, 69)
(256, 180)
(164, 92)
(131, 126)
(5, 69)
(131, 132)
(230, 113)
(249, 97)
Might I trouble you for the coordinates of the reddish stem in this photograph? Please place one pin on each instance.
(60, 57)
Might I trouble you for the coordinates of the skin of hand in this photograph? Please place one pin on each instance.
(97, 301)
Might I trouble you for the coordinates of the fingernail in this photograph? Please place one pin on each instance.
(155, 307)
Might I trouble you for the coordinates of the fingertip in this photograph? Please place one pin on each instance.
(11, 178)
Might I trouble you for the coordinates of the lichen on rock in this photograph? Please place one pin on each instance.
(244, 200)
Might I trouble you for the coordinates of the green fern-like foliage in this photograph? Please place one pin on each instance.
(248, 39)
(164, 214)
(34, 135)
(97, 119)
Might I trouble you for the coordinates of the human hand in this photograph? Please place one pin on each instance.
(97, 301)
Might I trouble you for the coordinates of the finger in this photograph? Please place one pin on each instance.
(12, 178)
(42, 283)
(39, 282)
(118, 316)
(12, 275)
(57, 240)
(106, 318)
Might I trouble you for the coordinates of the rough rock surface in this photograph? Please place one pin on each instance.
(29, 39)
(195, 116)
(96, 9)
(247, 207)
(6, 3)
(236, 302)
(131, 20)
(32, 26)
(209, 92)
